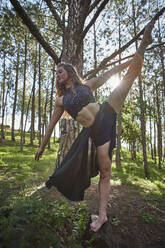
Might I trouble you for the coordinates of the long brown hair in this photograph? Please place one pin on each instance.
(73, 74)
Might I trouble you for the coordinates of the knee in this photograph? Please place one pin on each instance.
(105, 172)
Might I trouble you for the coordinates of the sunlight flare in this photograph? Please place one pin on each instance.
(114, 81)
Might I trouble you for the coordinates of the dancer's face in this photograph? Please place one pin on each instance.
(62, 75)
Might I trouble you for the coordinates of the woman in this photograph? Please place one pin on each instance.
(99, 122)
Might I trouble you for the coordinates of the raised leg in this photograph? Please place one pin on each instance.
(104, 185)
(117, 97)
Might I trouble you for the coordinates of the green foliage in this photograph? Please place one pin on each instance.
(27, 219)
(20, 170)
(115, 221)
(132, 173)
(147, 217)
(33, 223)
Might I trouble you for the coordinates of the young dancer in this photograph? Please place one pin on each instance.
(99, 122)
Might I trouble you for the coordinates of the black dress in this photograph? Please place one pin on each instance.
(79, 165)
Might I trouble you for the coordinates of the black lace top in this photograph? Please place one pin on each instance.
(75, 101)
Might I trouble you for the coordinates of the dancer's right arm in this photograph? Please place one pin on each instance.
(58, 111)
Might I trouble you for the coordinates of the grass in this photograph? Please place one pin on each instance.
(25, 219)
(20, 170)
(28, 221)
(132, 173)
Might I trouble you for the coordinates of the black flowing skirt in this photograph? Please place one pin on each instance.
(80, 164)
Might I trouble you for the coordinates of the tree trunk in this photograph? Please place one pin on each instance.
(3, 98)
(161, 57)
(159, 127)
(15, 95)
(142, 111)
(39, 97)
(155, 151)
(27, 112)
(119, 117)
(72, 53)
(45, 120)
(32, 133)
(51, 97)
(164, 127)
(133, 150)
(23, 98)
(150, 124)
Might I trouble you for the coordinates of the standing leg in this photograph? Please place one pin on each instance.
(104, 185)
(117, 97)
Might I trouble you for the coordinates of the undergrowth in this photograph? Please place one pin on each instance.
(30, 222)
(26, 220)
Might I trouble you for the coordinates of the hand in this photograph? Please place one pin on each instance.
(38, 154)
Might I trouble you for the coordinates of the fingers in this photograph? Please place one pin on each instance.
(38, 155)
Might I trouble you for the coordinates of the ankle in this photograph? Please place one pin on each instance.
(103, 216)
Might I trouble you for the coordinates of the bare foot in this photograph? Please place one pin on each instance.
(97, 222)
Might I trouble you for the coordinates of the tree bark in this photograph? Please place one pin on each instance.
(32, 133)
(23, 98)
(159, 127)
(51, 97)
(39, 97)
(15, 95)
(150, 124)
(142, 110)
(119, 116)
(71, 54)
(3, 89)
(45, 120)
(155, 134)
(27, 112)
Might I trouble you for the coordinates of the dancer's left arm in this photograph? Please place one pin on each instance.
(96, 82)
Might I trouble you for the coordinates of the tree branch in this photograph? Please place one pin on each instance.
(130, 56)
(54, 13)
(113, 55)
(101, 7)
(93, 5)
(121, 59)
(34, 30)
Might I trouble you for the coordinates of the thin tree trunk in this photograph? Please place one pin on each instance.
(23, 98)
(15, 95)
(39, 97)
(51, 97)
(32, 133)
(27, 111)
(150, 124)
(119, 116)
(161, 57)
(155, 151)
(54, 136)
(45, 121)
(95, 53)
(3, 98)
(133, 150)
(5, 109)
(159, 127)
(142, 111)
(164, 136)
(163, 127)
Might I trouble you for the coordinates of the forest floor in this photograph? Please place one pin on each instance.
(32, 216)
(136, 220)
